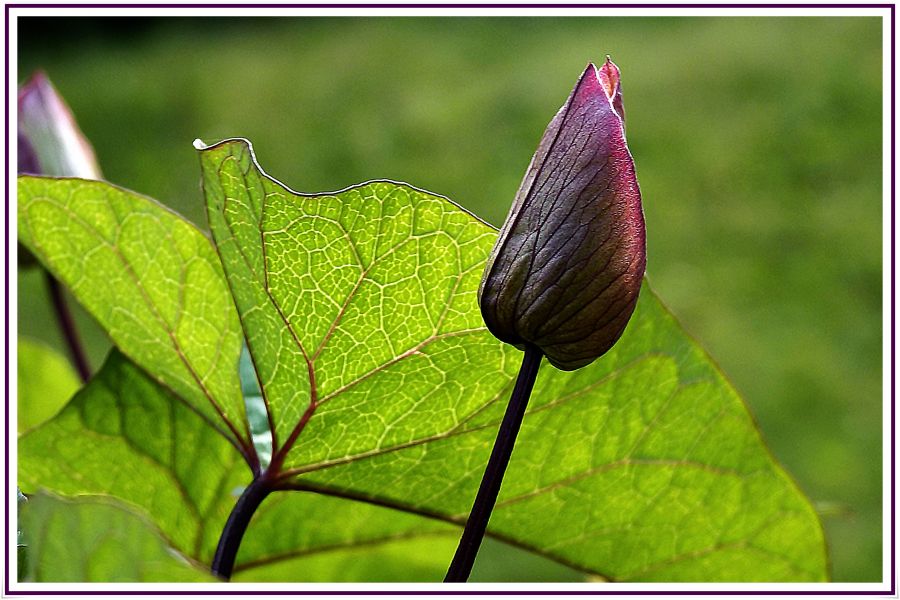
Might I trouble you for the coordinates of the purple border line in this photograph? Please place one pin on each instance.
(891, 591)
(893, 399)
(456, 5)
(461, 592)
(6, 179)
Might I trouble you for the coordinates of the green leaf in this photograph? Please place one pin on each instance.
(98, 540)
(311, 537)
(124, 435)
(359, 291)
(151, 279)
(644, 466)
(420, 558)
(21, 544)
(360, 313)
(45, 383)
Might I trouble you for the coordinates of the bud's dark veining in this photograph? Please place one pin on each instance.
(566, 271)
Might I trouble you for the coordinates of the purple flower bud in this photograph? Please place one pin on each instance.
(567, 267)
(49, 141)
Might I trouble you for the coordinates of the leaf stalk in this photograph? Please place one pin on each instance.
(476, 525)
(68, 328)
(233, 532)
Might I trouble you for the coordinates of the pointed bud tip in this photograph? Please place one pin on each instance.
(37, 77)
(608, 74)
(37, 83)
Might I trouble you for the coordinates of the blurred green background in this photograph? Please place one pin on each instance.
(757, 143)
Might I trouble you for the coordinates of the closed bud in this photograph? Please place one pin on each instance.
(49, 140)
(567, 267)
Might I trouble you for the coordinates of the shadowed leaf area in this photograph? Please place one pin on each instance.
(98, 540)
(384, 392)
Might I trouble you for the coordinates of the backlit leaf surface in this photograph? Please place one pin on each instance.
(643, 466)
(346, 295)
(126, 436)
(150, 278)
(384, 392)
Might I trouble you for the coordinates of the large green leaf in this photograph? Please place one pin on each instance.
(151, 279)
(643, 466)
(360, 313)
(339, 288)
(124, 435)
(45, 383)
(97, 540)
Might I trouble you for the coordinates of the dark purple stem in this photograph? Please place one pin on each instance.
(233, 532)
(476, 525)
(67, 326)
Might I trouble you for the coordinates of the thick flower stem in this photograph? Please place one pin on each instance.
(67, 326)
(476, 525)
(233, 532)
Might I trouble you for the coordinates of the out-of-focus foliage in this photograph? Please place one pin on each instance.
(757, 144)
(98, 540)
(44, 384)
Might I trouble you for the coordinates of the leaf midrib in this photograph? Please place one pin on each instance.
(280, 453)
